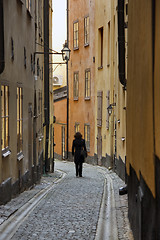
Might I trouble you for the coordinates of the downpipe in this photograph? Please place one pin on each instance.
(121, 43)
(2, 63)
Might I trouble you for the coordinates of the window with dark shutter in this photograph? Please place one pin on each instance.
(99, 108)
(107, 114)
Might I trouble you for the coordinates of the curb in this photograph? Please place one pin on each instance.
(107, 225)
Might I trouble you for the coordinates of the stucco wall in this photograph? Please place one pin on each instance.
(82, 111)
(139, 88)
(60, 111)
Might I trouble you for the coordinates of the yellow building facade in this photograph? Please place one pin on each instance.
(143, 135)
(110, 100)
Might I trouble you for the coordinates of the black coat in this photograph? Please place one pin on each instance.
(77, 146)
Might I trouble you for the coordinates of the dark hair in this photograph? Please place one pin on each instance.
(78, 135)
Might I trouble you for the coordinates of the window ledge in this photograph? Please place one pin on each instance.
(6, 153)
(20, 156)
(86, 44)
(76, 48)
(87, 98)
(75, 99)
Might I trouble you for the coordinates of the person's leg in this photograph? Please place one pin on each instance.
(80, 169)
(76, 165)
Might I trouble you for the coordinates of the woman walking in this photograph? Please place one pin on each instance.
(77, 146)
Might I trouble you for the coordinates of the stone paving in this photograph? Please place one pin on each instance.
(71, 209)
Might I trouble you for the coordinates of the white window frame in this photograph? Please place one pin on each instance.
(76, 35)
(87, 84)
(76, 85)
(86, 31)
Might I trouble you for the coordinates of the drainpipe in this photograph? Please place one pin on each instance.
(67, 81)
(121, 42)
(153, 65)
(46, 80)
(2, 65)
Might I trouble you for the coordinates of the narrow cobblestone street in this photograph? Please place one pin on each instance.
(69, 210)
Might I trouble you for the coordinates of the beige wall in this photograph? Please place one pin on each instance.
(20, 25)
(107, 79)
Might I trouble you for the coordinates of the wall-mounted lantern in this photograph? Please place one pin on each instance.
(110, 108)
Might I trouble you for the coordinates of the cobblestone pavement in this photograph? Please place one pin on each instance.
(71, 208)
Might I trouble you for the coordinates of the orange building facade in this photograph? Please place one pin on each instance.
(82, 73)
(60, 126)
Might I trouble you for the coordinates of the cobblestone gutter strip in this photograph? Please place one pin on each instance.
(107, 226)
(9, 227)
(120, 206)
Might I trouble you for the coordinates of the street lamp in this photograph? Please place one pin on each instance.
(65, 52)
(66, 55)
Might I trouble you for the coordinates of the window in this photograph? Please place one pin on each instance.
(87, 136)
(5, 116)
(75, 86)
(87, 84)
(86, 31)
(75, 35)
(19, 119)
(28, 5)
(100, 47)
(76, 127)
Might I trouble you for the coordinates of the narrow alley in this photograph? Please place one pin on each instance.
(65, 207)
